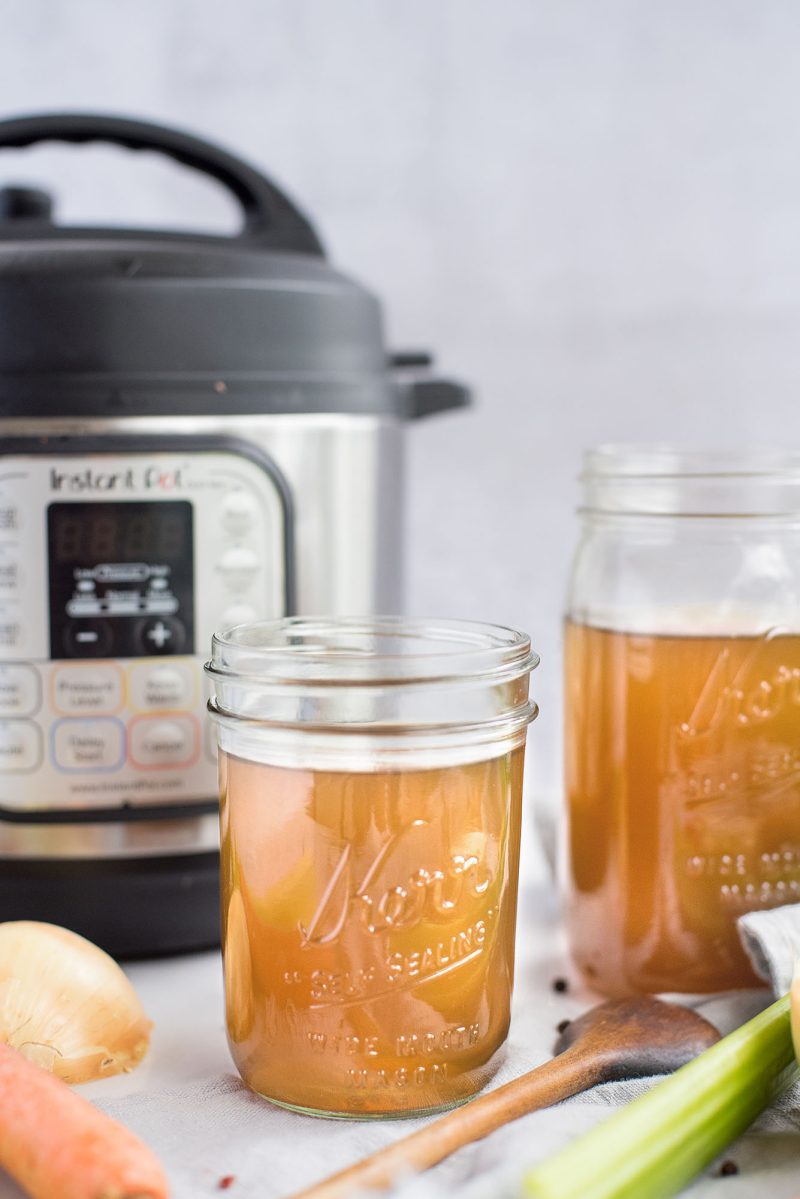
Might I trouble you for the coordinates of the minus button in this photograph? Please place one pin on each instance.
(87, 639)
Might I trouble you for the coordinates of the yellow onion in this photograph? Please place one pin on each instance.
(66, 1005)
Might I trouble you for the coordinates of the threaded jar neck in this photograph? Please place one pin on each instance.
(359, 692)
(621, 480)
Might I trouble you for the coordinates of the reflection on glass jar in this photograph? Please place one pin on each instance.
(370, 839)
(682, 680)
(370, 950)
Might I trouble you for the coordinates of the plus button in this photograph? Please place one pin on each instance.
(159, 635)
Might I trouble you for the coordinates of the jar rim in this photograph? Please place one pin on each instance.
(368, 650)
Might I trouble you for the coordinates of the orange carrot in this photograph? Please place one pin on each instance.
(58, 1146)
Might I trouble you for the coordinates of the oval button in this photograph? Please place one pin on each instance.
(9, 518)
(163, 686)
(238, 566)
(20, 694)
(11, 631)
(88, 745)
(20, 746)
(87, 689)
(9, 577)
(239, 510)
(163, 742)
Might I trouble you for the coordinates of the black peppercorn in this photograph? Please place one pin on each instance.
(727, 1167)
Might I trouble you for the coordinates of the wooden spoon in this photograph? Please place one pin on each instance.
(623, 1038)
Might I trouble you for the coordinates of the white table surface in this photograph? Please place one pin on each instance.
(186, 1100)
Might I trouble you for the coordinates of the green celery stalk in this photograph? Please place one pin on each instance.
(660, 1141)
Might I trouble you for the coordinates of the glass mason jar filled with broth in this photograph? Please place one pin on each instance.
(371, 783)
(682, 737)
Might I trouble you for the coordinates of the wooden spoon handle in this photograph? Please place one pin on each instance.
(555, 1080)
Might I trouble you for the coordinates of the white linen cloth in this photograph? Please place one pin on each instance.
(188, 1104)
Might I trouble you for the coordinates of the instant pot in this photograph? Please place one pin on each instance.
(195, 431)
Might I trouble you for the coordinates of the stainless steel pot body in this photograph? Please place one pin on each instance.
(196, 431)
(342, 504)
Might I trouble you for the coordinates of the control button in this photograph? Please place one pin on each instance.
(238, 566)
(88, 639)
(9, 577)
(163, 742)
(165, 686)
(237, 614)
(89, 744)
(161, 635)
(10, 631)
(239, 512)
(20, 746)
(9, 519)
(20, 693)
(87, 689)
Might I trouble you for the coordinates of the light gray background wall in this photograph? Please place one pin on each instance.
(589, 208)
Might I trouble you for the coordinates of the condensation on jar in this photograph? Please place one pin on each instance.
(682, 735)
(371, 783)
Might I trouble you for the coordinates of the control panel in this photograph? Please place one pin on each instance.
(121, 578)
(115, 571)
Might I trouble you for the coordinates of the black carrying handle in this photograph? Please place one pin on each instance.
(269, 215)
(422, 392)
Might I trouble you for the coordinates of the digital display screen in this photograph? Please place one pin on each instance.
(121, 579)
(108, 533)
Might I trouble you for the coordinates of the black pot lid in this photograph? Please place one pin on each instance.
(105, 321)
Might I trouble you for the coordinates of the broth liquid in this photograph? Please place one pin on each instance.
(368, 931)
(683, 798)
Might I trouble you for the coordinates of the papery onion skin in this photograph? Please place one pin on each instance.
(66, 1005)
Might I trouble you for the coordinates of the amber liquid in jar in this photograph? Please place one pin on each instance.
(368, 931)
(683, 791)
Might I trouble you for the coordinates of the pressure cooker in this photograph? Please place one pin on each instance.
(195, 431)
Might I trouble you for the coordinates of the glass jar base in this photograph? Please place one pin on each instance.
(471, 1086)
(628, 983)
(391, 1114)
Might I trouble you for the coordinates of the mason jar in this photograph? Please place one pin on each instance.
(370, 782)
(682, 686)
